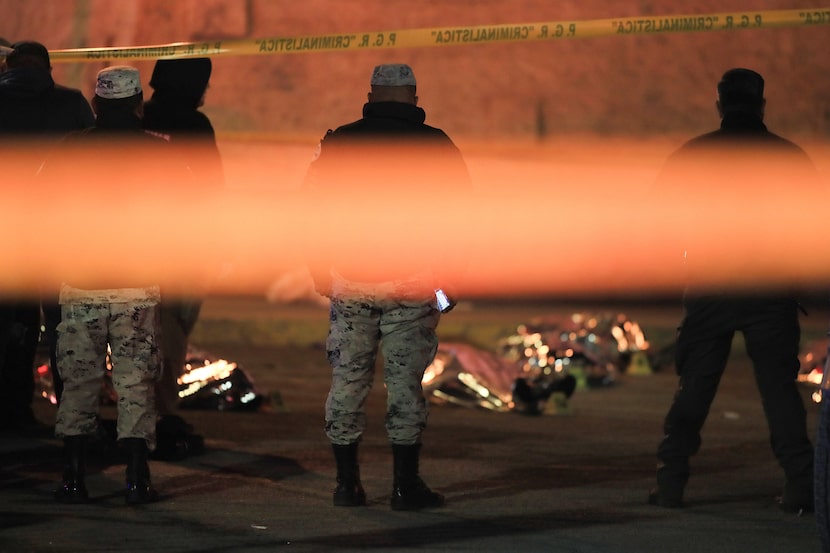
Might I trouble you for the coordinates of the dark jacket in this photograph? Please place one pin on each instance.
(31, 102)
(112, 176)
(177, 119)
(743, 129)
(744, 175)
(388, 179)
(191, 132)
(390, 120)
(173, 112)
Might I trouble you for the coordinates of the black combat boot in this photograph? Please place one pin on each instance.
(798, 493)
(73, 487)
(409, 492)
(671, 482)
(349, 491)
(139, 489)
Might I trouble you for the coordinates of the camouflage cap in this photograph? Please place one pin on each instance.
(119, 81)
(393, 74)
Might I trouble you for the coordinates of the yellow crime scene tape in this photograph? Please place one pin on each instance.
(456, 36)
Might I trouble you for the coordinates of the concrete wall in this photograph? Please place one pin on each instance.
(642, 85)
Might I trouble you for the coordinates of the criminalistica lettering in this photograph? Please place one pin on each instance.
(159, 52)
(488, 34)
(328, 42)
(669, 24)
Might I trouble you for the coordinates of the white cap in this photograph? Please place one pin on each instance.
(119, 81)
(393, 74)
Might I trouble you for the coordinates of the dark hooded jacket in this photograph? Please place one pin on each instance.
(31, 103)
(397, 178)
(740, 168)
(117, 165)
(173, 112)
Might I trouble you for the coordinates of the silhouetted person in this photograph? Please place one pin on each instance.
(730, 166)
(34, 113)
(179, 88)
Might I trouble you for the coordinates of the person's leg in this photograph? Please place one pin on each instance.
(6, 319)
(177, 320)
(18, 343)
(81, 351)
(408, 344)
(136, 366)
(821, 463)
(51, 319)
(81, 354)
(175, 437)
(351, 348)
(703, 346)
(772, 335)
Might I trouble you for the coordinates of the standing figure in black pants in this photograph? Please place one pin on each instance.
(35, 112)
(727, 168)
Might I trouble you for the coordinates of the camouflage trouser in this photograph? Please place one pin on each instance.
(83, 334)
(405, 331)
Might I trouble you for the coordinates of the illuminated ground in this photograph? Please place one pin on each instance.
(554, 483)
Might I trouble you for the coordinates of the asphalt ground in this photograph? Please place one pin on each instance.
(574, 482)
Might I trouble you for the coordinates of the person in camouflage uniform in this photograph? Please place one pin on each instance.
(391, 308)
(120, 313)
(127, 321)
(359, 317)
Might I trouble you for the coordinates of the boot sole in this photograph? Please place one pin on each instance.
(76, 497)
(349, 502)
(654, 498)
(141, 499)
(415, 507)
(72, 500)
